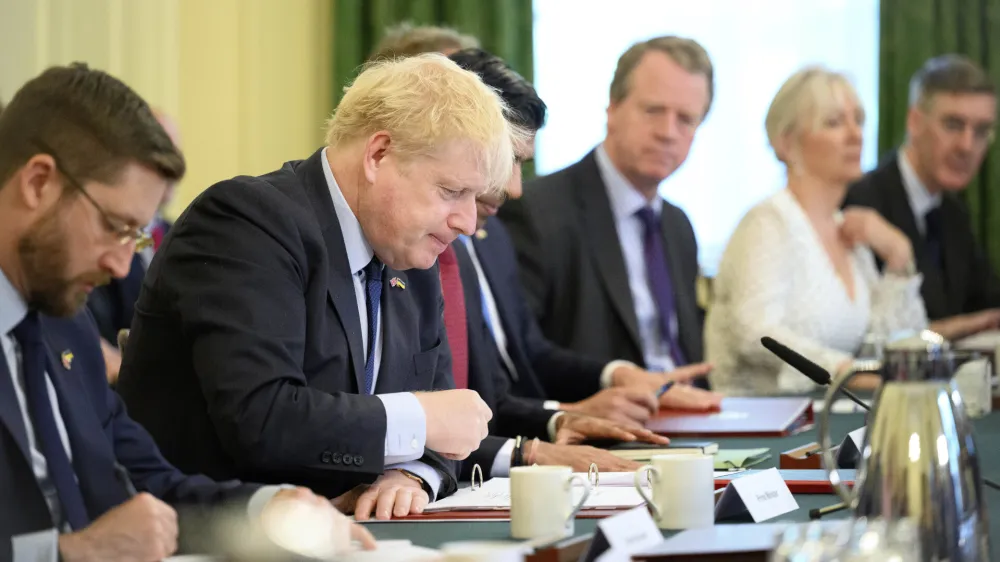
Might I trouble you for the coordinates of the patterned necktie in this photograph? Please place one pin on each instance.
(373, 296)
(454, 316)
(660, 283)
(29, 336)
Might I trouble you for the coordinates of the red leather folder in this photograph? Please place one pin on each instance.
(739, 417)
(798, 481)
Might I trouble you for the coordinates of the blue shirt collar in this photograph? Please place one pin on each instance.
(13, 309)
(359, 251)
(625, 198)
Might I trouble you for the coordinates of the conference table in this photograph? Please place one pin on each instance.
(987, 434)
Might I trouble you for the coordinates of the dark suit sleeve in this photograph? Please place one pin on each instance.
(565, 375)
(235, 271)
(984, 285)
(484, 457)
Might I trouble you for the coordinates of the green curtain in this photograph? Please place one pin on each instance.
(913, 31)
(503, 27)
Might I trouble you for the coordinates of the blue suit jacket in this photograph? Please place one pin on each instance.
(100, 434)
(544, 369)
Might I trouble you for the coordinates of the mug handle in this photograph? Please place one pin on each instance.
(652, 480)
(583, 500)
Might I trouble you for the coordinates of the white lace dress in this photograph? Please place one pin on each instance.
(776, 280)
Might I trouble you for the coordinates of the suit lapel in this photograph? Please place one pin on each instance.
(395, 309)
(605, 247)
(10, 410)
(341, 283)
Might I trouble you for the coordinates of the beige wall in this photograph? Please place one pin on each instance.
(248, 80)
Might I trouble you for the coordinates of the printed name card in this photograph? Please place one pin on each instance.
(619, 536)
(764, 495)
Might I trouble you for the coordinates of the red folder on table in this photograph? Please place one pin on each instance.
(739, 417)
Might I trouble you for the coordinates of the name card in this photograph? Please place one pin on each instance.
(619, 536)
(850, 449)
(764, 495)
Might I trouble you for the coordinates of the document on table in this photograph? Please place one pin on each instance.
(494, 494)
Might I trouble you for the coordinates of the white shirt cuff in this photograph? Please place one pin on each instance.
(551, 426)
(429, 475)
(607, 380)
(553, 405)
(405, 427)
(501, 463)
(260, 498)
(40, 546)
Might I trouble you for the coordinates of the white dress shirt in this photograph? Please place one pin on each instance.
(776, 279)
(43, 546)
(921, 200)
(406, 422)
(626, 201)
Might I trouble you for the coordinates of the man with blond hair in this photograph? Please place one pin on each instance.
(290, 327)
(407, 40)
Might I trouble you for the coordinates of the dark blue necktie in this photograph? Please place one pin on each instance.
(29, 336)
(373, 296)
(933, 236)
(660, 283)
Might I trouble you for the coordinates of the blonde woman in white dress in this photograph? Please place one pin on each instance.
(796, 268)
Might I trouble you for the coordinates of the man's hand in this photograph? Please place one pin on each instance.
(963, 325)
(394, 493)
(456, 421)
(112, 361)
(143, 529)
(686, 397)
(579, 457)
(294, 509)
(575, 428)
(688, 373)
(629, 406)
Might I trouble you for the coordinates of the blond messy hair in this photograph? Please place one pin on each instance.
(804, 101)
(425, 102)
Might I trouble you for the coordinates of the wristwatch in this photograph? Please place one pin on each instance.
(419, 480)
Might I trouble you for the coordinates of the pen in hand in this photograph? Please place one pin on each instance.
(123, 477)
(664, 389)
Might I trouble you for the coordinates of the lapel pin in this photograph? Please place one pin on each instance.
(397, 282)
(67, 359)
(481, 234)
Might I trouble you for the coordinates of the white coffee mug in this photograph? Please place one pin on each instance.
(541, 501)
(974, 380)
(683, 490)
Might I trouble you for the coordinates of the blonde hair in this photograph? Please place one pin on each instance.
(406, 40)
(424, 102)
(803, 102)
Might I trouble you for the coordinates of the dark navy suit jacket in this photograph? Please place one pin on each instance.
(543, 369)
(245, 358)
(100, 434)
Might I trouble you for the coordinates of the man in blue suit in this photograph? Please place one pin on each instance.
(83, 166)
(538, 368)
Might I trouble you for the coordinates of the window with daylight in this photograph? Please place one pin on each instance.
(754, 44)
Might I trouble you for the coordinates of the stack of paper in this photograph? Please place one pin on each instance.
(494, 494)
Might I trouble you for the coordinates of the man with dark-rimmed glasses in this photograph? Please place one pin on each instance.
(950, 126)
(83, 167)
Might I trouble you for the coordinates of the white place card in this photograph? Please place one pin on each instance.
(763, 494)
(619, 536)
(858, 437)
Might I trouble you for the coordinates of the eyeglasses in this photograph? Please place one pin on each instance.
(124, 233)
(982, 133)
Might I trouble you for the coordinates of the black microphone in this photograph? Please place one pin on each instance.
(820, 376)
(817, 374)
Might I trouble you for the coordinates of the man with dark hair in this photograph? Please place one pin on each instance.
(83, 167)
(949, 127)
(505, 346)
(609, 267)
(406, 40)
